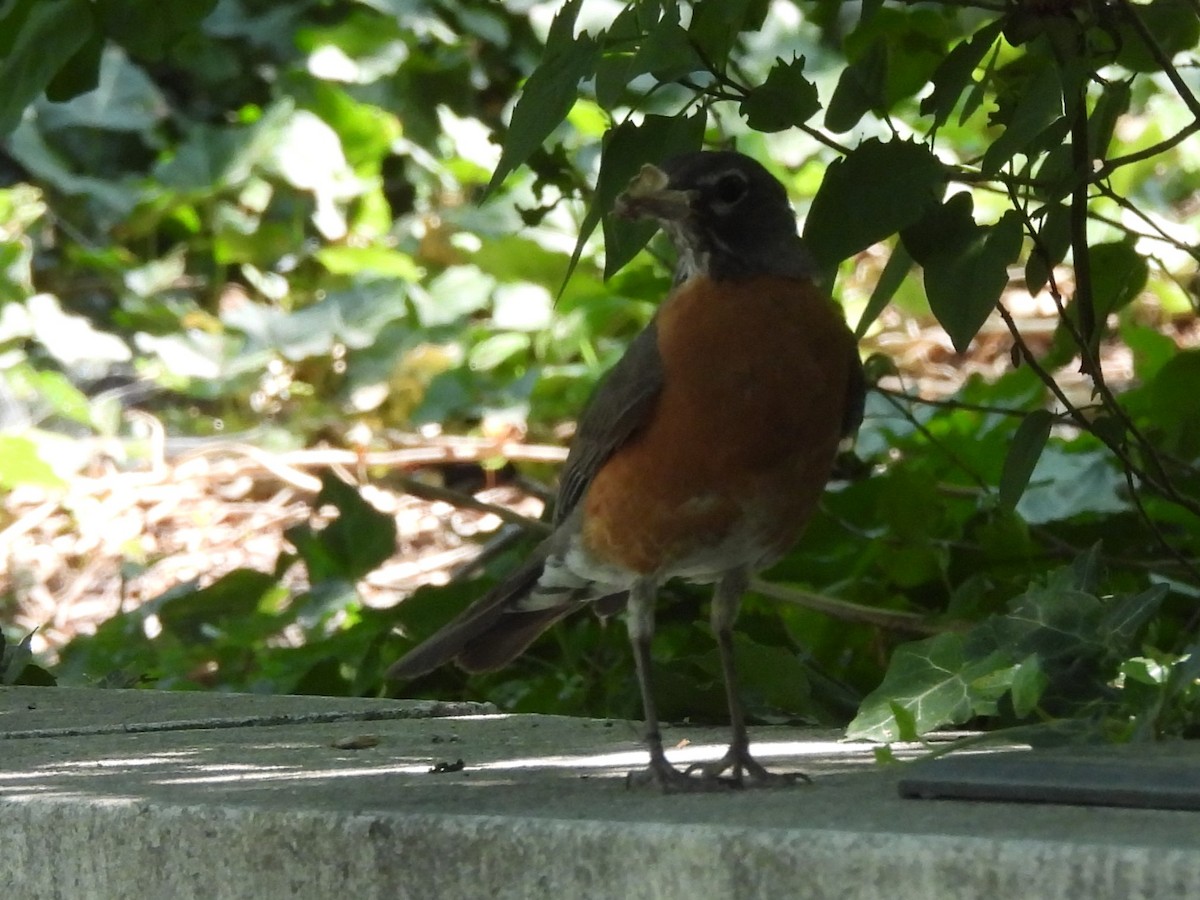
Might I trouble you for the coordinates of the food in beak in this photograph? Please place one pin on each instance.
(649, 197)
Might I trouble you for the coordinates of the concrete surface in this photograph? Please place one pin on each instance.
(130, 794)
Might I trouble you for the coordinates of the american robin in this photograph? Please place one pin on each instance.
(702, 453)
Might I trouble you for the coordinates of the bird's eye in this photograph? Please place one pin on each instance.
(731, 187)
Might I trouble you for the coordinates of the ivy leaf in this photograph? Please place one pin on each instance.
(932, 680)
(1065, 485)
(1028, 684)
(786, 99)
(549, 93)
(1127, 614)
(1053, 618)
(875, 191)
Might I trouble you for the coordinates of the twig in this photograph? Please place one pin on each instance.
(1165, 488)
(949, 403)
(1148, 152)
(1160, 57)
(427, 491)
(1136, 496)
(447, 452)
(846, 611)
(932, 439)
(1081, 161)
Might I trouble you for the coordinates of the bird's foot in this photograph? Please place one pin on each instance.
(663, 776)
(738, 769)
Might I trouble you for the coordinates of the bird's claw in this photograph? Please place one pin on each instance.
(743, 771)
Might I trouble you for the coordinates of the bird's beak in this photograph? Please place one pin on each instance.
(648, 197)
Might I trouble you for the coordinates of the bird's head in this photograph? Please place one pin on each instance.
(727, 216)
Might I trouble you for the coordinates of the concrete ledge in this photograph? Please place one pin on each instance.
(276, 809)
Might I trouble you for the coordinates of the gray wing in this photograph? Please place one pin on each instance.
(622, 403)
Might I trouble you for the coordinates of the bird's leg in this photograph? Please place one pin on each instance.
(640, 620)
(744, 770)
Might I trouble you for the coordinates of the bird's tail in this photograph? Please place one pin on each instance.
(491, 631)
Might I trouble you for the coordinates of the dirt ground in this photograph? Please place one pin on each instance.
(117, 535)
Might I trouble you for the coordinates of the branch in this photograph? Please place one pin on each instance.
(1160, 57)
(952, 404)
(1081, 161)
(1163, 486)
(845, 610)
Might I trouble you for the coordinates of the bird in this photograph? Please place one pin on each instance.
(702, 453)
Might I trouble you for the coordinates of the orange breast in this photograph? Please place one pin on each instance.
(740, 444)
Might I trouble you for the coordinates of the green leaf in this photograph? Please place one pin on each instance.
(141, 27)
(898, 266)
(715, 27)
(497, 349)
(872, 193)
(1119, 273)
(626, 149)
(360, 539)
(21, 464)
(956, 71)
(786, 99)
(906, 723)
(1065, 485)
(666, 50)
(1023, 454)
(37, 38)
(1054, 239)
(1028, 684)
(80, 73)
(1127, 614)
(966, 265)
(667, 53)
(1173, 25)
(859, 90)
(932, 681)
(1112, 104)
(125, 99)
(549, 93)
(1056, 618)
(196, 616)
(947, 229)
(353, 317)
(1030, 111)
(1174, 403)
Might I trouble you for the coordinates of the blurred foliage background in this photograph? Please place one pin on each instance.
(292, 238)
